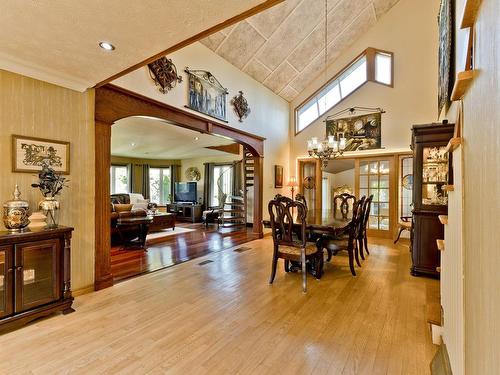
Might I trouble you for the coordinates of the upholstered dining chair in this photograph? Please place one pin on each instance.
(299, 197)
(346, 241)
(363, 223)
(405, 223)
(286, 244)
(344, 202)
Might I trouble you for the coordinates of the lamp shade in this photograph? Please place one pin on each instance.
(292, 181)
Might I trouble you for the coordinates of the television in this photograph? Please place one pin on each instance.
(185, 192)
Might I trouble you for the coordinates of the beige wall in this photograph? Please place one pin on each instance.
(409, 30)
(481, 202)
(34, 108)
(269, 117)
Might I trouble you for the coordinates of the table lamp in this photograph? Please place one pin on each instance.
(292, 183)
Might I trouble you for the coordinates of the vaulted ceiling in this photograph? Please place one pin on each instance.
(284, 46)
(57, 41)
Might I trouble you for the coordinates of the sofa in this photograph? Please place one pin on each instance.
(136, 200)
(121, 206)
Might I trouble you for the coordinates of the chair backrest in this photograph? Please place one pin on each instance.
(281, 217)
(357, 218)
(342, 201)
(299, 197)
(368, 205)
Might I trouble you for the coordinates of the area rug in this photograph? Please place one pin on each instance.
(161, 235)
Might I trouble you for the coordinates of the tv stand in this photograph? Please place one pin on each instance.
(186, 211)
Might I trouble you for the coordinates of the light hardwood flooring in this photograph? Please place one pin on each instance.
(224, 318)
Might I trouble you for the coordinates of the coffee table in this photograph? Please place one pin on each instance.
(130, 237)
(162, 220)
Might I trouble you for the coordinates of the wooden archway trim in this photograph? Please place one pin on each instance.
(113, 103)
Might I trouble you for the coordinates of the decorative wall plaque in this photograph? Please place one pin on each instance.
(164, 74)
(193, 174)
(29, 154)
(240, 106)
(206, 94)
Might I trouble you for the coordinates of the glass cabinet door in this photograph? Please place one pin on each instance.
(37, 280)
(5, 281)
(434, 176)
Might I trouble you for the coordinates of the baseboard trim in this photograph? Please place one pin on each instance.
(81, 291)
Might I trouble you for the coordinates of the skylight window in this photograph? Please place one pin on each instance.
(371, 65)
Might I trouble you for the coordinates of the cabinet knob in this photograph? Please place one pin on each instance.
(20, 268)
(9, 270)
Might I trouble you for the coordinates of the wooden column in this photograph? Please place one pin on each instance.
(257, 199)
(103, 277)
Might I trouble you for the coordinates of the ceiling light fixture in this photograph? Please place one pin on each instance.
(106, 46)
(196, 138)
(132, 144)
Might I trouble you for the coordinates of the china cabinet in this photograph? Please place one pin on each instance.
(34, 275)
(431, 176)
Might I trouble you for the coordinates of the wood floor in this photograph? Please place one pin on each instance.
(175, 249)
(224, 318)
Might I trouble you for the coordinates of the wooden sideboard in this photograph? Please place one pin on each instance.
(34, 275)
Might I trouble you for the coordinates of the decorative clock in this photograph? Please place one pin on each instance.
(193, 174)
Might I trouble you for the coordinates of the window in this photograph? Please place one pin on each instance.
(159, 185)
(225, 174)
(119, 179)
(371, 65)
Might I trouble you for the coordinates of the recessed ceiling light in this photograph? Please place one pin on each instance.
(196, 138)
(106, 46)
(132, 144)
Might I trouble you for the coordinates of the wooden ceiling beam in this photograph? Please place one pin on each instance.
(240, 17)
(233, 148)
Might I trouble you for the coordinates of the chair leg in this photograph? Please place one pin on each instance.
(319, 265)
(287, 265)
(304, 270)
(356, 253)
(329, 258)
(399, 234)
(351, 260)
(365, 240)
(273, 269)
(360, 245)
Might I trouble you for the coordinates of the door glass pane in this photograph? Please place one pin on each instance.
(363, 192)
(384, 167)
(374, 209)
(384, 209)
(374, 167)
(373, 222)
(38, 275)
(383, 195)
(406, 186)
(374, 182)
(383, 223)
(434, 176)
(375, 194)
(363, 167)
(363, 181)
(384, 181)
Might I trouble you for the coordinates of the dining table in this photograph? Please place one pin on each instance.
(327, 221)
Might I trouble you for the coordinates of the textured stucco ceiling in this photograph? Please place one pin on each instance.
(57, 41)
(148, 138)
(284, 48)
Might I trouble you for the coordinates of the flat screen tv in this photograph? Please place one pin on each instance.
(185, 192)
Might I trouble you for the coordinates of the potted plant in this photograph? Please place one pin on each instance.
(50, 184)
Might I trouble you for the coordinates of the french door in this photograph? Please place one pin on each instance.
(376, 176)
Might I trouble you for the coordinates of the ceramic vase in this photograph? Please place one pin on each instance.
(16, 213)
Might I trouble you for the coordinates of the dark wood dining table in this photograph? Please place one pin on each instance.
(322, 221)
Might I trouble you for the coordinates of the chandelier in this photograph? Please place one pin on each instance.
(327, 149)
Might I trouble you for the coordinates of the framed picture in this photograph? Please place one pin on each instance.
(29, 154)
(361, 132)
(446, 71)
(278, 176)
(206, 94)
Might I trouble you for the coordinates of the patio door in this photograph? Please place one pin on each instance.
(377, 176)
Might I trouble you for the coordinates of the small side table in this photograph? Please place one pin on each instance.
(126, 225)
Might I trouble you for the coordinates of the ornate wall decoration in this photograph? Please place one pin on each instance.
(309, 183)
(31, 154)
(240, 106)
(445, 71)
(193, 174)
(206, 94)
(164, 74)
(361, 132)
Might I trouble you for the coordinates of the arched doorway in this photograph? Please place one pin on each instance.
(113, 103)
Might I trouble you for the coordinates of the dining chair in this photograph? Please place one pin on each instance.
(405, 223)
(299, 197)
(342, 201)
(363, 234)
(288, 246)
(345, 241)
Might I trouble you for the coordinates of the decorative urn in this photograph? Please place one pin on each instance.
(16, 213)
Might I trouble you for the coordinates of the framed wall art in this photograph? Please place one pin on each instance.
(206, 94)
(278, 176)
(361, 132)
(29, 154)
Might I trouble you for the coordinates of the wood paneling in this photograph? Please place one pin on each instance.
(34, 108)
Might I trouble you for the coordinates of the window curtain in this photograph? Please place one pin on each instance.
(130, 170)
(145, 181)
(207, 178)
(174, 177)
